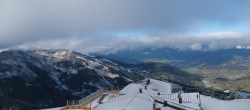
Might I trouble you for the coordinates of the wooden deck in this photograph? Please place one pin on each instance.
(79, 107)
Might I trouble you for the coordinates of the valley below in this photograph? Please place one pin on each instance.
(224, 79)
(47, 78)
(220, 70)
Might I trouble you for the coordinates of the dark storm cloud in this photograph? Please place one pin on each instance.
(75, 24)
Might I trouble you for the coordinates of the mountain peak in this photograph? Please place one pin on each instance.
(55, 53)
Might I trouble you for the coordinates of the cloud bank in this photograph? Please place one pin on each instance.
(92, 25)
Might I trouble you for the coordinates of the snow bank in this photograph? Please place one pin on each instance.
(209, 103)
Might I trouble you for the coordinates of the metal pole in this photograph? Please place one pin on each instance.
(90, 106)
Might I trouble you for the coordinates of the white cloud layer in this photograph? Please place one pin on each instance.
(92, 25)
(93, 44)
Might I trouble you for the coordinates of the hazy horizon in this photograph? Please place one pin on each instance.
(91, 25)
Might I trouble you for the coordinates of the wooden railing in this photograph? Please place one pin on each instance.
(176, 105)
(82, 103)
(85, 101)
(114, 91)
(76, 107)
(186, 98)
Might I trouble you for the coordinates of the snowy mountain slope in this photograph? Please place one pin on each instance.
(165, 71)
(49, 77)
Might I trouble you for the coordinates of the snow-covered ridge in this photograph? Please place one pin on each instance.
(89, 62)
(57, 54)
(2, 50)
(49, 59)
(242, 47)
(67, 72)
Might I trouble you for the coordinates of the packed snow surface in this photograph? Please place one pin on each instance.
(133, 100)
(130, 98)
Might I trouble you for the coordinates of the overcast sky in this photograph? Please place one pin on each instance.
(96, 25)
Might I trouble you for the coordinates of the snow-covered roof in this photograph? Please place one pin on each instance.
(129, 98)
(133, 100)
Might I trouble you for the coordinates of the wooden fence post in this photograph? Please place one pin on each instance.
(90, 106)
(79, 104)
(67, 104)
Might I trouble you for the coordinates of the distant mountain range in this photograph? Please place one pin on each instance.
(47, 78)
(176, 56)
(221, 69)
